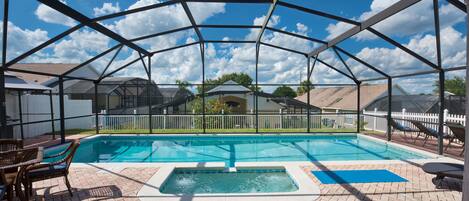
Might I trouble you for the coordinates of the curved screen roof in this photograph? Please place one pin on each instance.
(354, 41)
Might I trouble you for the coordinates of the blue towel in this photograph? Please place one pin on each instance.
(356, 176)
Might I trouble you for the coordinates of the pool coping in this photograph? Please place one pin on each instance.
(307, 189)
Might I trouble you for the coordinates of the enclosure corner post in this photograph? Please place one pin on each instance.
(3, 116)
(150, 94)
(358, 106)
(62, 109)
(388, 116)
(465, 183)
(96, 121)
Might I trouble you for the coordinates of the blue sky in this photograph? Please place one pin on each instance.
(32, 23)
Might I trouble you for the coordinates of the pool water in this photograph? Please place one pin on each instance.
(231, 149)
(192, 181)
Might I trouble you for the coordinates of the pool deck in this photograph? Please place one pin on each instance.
(125, 181)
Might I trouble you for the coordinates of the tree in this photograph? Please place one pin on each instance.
(457, 86)
(240, 78)
(303, 88)
(285, 91)
(182, 84)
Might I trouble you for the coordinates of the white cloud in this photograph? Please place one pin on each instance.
(417, 19)
(47, 14)
(107, 8)
(21, 40)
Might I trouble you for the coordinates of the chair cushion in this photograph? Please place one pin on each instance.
(51, 171)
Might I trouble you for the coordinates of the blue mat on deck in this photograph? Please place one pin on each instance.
(356, 176)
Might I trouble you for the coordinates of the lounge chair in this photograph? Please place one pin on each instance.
(459, 132)
(54, 169)
(397, 126)
(430, 132)
(442, 170)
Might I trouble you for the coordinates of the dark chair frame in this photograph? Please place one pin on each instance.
(397, 126)
(428, 133)
(459, 132)
(67, 155)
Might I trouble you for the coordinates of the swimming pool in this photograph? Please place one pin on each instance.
(240, 148)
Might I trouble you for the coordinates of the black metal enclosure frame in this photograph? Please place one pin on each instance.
(313, 55)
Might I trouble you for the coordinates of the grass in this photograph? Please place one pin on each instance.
(175, 131)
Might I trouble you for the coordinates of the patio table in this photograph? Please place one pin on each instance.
(13, 164)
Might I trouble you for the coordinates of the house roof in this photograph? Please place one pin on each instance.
(229, 86)
(15, 83)
(169, 92)
(412, 103)
(51, 68)
(106, 85)
(345, 97)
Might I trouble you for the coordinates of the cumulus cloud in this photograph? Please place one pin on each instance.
(417, 19)
(107, 8)
(21, 40)
(49, 15)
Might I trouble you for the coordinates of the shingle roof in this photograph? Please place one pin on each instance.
(344, 98)
(229, 86)
(51, 68)
(13, 82)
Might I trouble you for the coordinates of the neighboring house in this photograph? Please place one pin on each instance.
(241, 100)
(175, 101)
(344, 99)
(420, 103)
(86, 71)
(117, 95)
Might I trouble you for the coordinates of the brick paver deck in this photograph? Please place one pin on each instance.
(96, 184)
(418, 187)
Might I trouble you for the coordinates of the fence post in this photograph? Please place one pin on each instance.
(222, 118)
(164, 119)
(252, 119)
(135, 119)
(104, 118)
(403, 116)
(281, 118)
(445, 119)
(193, 119)
(375, 119)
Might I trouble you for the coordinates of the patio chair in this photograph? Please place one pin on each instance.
(397, 126)
(16, 159)
(459, 132)
(10, 144)
(58, 168)
(430, 132)
(442, 170)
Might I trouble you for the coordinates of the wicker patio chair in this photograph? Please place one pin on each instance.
(10, 144)
(429, 132)
(459, 132)
(17, 160)
(58, 168)
(397, 126)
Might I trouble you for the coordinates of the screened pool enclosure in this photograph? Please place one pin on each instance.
(128, 53)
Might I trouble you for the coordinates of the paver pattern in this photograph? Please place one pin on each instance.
(418, 187)
(94, 183)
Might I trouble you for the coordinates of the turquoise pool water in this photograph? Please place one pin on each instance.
(218, 181)
(231, 149)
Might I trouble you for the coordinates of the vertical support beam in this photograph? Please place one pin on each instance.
(441, 110)
(62, 109)
(3, 116)
(202, 55)
(257, 88)
(388, 117)
(51, 102)
(96, 121)
(358, 106)
(465, 183)
(441, 77)
(150, 94)
(308, 99)
(20, 111)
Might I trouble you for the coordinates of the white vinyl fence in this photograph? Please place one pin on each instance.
(37, 108)
(227, 121)
(379, 123)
